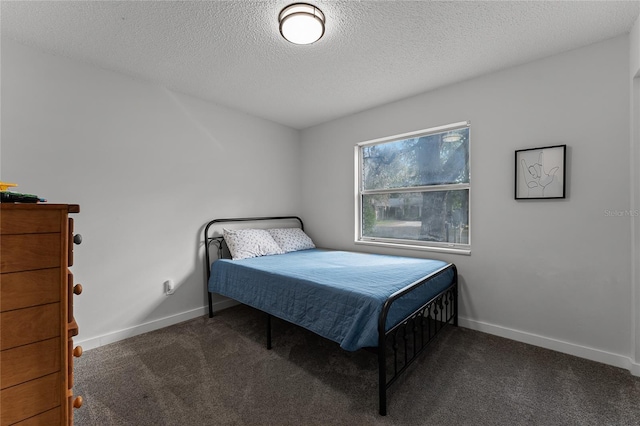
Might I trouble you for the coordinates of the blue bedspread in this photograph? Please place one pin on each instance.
(336, 294)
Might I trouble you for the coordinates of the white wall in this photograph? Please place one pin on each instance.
(148, 167)
(552, 273)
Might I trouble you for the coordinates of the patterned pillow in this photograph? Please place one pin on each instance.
(247, 243)
(291, 239)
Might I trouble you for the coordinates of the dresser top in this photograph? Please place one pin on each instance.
(71, 208)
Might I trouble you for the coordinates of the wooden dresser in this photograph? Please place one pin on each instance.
(36, 314)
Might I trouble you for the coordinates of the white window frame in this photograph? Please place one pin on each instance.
(443, 247)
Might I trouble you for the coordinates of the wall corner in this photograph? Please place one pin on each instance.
(634, 77)
(634, 53)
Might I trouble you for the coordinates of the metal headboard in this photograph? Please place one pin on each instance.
(219, 240)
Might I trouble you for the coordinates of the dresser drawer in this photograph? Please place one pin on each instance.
(29, 251)
(30, 399)
(70, 242)
(26, 289)
(29, 325)
(29, 362)
(48, 418)
(34, 221)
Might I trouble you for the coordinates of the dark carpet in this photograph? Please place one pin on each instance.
(218, 372)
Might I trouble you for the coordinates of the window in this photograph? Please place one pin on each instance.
(412, 190)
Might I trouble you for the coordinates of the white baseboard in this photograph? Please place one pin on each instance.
(519, 336)
(554, 344)
(105, 339)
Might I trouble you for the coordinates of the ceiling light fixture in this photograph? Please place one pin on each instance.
(301, 23)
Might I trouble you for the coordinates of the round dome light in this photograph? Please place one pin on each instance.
(301, 23)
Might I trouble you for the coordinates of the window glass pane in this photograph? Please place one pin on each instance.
(437, 159)
(437, 216)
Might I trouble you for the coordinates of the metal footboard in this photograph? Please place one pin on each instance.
(409, 337)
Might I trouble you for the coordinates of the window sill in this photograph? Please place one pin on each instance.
(448, 250)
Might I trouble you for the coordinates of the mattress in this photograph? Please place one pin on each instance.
(336, 294)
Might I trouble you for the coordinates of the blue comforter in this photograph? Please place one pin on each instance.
(336, 294)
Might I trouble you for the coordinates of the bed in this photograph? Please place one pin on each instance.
(393, 305)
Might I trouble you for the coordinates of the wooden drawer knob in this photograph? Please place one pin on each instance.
(77, 403)
(77, 351)
(77, 289)
(77, 239)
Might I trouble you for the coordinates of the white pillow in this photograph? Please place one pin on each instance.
(291, 239)
(247, 243)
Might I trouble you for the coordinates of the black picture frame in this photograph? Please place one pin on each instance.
(540, 173)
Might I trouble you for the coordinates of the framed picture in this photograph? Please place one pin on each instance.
(541, 172)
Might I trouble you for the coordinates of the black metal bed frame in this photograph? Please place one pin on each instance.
(405, 340)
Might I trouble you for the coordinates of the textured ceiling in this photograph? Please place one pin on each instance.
(373, 52)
